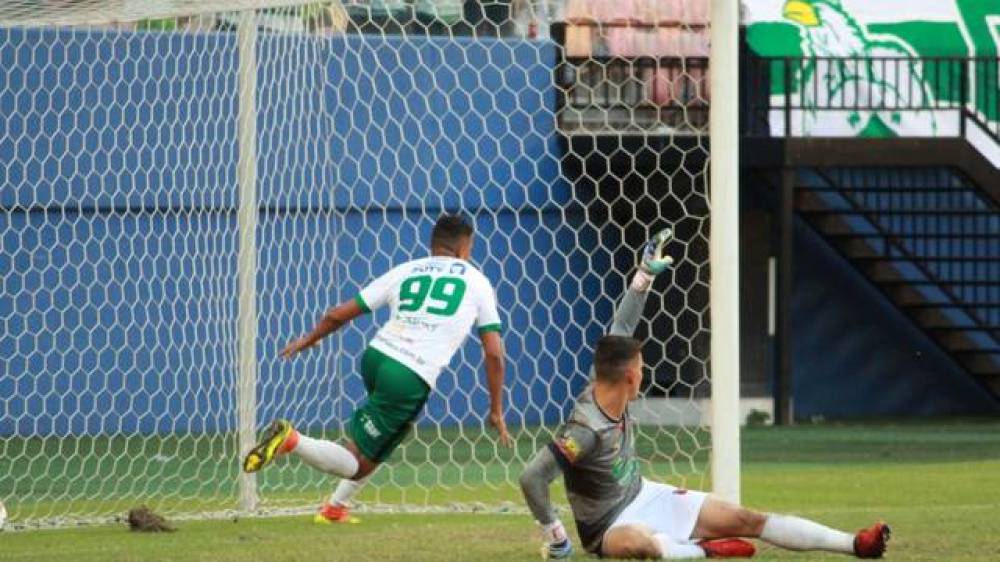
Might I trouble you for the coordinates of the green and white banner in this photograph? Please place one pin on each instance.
(873, 90)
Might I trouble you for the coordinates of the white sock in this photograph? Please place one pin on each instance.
(347, 489)
(671, 549)
(326, 456)
(795, 533)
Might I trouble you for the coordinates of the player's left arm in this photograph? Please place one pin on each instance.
(494, 359)
(653, 262)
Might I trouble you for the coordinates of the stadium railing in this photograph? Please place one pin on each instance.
(894, 160)
(959, 92)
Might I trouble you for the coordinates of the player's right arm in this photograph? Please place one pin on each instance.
(572, 443)
(371, 297)
(330, 322)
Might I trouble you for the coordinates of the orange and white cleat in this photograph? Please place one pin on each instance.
(871, 542)
(331, 514)
(728, 548)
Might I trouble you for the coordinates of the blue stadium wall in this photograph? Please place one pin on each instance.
(855, 355)
(124, 327)
(114, 331)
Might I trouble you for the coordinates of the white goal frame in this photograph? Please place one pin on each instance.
(724, 249)
(723, 254)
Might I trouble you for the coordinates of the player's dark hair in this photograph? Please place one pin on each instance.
(450, 231)
(612, 356)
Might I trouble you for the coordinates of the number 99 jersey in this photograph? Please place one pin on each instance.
(434, 302)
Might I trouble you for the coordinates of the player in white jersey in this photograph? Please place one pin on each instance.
(434, 301)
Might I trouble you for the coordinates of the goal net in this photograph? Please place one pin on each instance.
(185, 186)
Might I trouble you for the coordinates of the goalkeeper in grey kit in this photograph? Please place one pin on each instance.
(620, 514)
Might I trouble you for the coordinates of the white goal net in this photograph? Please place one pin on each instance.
(184, 186)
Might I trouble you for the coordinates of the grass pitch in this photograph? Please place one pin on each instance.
(937, 483)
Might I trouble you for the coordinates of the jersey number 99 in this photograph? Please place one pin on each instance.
(445, 294)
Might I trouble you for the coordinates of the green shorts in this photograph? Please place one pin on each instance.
(396, 395)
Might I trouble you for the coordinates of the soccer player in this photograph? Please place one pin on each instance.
(434, 301)
(618, 513)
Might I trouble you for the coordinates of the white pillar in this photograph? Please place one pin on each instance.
(724, 249)
(246, 386)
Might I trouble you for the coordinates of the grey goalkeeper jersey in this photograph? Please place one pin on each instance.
(597, 453)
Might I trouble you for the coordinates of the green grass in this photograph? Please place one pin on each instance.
(937, 483)
(197, 473)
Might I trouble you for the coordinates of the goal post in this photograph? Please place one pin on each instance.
(248, 210)
(188, 185)
(724, 249)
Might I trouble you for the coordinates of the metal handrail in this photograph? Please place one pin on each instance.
(965, 85)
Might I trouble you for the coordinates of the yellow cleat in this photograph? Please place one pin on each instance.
(269, 446)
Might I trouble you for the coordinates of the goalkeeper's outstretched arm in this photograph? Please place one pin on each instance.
(654, 261)
(629, 312)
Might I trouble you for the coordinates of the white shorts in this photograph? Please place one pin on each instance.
(666, 509)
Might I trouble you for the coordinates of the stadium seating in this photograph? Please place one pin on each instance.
(638, 12)
(665, 31)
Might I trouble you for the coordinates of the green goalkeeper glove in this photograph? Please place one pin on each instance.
(654, 258)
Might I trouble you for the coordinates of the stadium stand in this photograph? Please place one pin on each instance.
(635, 65)
(917, 216)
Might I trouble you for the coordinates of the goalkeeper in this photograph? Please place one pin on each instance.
(618, 513)
(434, 301)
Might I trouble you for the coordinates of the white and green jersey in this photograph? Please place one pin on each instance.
(435, 301)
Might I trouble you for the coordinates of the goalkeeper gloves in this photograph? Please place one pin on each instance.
(556, 551)
(654, 257)
(557, 544)
(654, 260)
